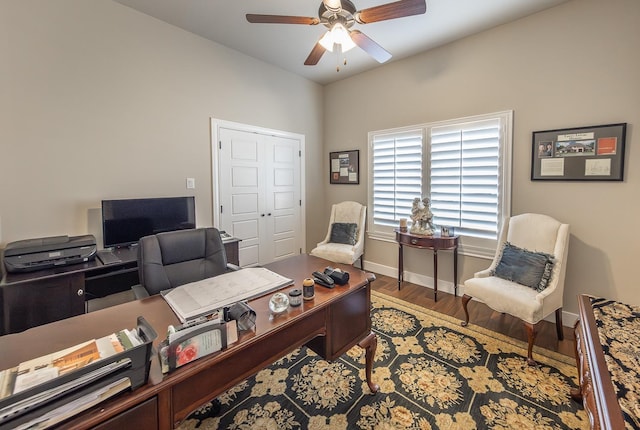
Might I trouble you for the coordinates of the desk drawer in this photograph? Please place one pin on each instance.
(417, 241)
(142, 416)
(430, 242)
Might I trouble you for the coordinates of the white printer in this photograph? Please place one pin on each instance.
(42, 253)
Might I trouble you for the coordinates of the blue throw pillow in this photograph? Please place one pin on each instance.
(532, 269)
(344, 232)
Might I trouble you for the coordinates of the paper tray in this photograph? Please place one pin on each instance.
(137, 367)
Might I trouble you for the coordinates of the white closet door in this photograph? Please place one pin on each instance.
(259, 194)
(283, 194)
(239, 182)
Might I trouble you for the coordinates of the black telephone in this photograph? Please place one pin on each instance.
(338, 276)
(322, 279)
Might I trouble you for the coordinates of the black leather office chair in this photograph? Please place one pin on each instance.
(167, 260)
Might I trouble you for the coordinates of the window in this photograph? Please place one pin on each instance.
(397, 175)
(463, 166)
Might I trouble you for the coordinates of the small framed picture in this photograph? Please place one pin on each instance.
(344, 167)
(446, 231)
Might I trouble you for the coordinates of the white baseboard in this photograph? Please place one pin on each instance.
(568, 318)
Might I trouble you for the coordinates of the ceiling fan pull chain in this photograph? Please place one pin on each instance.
(344, 62)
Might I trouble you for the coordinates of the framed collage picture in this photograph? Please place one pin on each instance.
(344, 167)
(594, 153)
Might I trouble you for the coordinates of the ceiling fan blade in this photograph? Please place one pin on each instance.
(333, 5)
(315, 55)
(369, 46)
(281, 19)
(393, 10)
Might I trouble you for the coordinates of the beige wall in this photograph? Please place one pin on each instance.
(574, 65)
(100, 101)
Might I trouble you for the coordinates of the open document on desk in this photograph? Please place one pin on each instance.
(201, 298)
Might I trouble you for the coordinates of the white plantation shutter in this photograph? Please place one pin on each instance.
(396, 175)
(465, 174)
(462, 165)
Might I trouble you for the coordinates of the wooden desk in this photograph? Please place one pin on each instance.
(435, 243)
(330, 324)
(35, 298)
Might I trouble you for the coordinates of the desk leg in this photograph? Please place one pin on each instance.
(435, 275)
(455, 271)
(369, 344)
(165, 411)
(400, 266)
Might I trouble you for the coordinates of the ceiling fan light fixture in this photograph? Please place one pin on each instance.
(338, 35)
(327, 41)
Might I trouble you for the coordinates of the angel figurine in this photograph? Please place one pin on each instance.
(421, 217)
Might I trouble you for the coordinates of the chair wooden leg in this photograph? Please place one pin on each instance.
(465, 300)
(532, 332)
(559, 324)
(362, 262)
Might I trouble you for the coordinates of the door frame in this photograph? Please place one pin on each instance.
(216, 125)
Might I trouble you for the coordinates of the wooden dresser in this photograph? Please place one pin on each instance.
(606, 334)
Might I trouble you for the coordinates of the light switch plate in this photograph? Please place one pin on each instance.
(191, 183)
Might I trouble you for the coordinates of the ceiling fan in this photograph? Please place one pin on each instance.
(339, 16)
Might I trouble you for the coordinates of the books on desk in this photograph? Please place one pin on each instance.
(201, 298)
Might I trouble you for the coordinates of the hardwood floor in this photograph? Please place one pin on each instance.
(479, 314)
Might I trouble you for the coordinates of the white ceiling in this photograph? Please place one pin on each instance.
(288, 45)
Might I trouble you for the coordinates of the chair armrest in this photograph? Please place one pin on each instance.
(482, 274)
(232, 267)
(139, 292)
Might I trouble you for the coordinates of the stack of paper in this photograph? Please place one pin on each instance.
(76, 406)
(203, 297)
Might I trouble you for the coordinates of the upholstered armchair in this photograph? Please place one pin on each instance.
(167, 260)
(526, 277)
(344, 242)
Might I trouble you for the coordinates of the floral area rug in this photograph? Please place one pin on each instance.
(433, 374)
